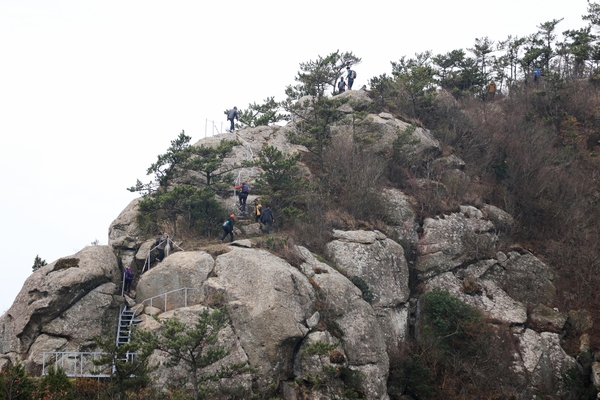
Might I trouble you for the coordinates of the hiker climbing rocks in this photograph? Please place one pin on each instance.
(129, 275)
(492, 90)
(231, 115)
(350, 77)
(160, 243)
(243, 196)
(267, 218)
(257, 210)
(341, 85)
(228, 227)
(537, 74)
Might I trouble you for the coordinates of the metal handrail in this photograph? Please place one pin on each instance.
(150, 300)
(78, 359)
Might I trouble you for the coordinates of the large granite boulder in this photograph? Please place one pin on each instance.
(456, 239)
(346, 315)
(56, 298)
(483, 294)
(184, 269)
(269, 302)
(402, 217)
(123, 233)
(525, 278)
(377, 260)
(543, 359)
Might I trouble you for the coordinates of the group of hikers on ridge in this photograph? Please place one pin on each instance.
(350, 77)
(263, 215)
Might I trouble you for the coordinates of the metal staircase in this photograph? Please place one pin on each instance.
(126, 321)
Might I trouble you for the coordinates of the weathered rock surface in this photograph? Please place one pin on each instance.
(342, 307)
(123, 233)
(52, 296)
(184, 269)
(490, 298)
(456, 239)
(402, 217)
(268, 301)
(543, 358)
(526, 279)
(379, 261)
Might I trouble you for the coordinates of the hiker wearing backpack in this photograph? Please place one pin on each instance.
(160, 243)
(267, 218)
(243, 196)
(341, 85)
(257, 210)
(350, 77)
(231, 115)
(228, 227)
(129, 275)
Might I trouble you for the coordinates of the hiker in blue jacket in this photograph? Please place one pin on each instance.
(228, 227)
(231, 115)
(350, 77)
(129, 275)
(341, 85)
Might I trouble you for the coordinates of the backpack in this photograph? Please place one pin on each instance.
(226, 224)
(352, 74)
(245, 189)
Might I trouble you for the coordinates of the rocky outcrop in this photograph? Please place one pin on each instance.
(543, 359)
(55, 299)
(454, 240)
(185, 269)
(375, 259)
(344, 312)
(402, 219)
(123, 234)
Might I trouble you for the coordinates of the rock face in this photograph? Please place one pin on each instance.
(456, 239)
(336, 322)
(123, 234)
(55, 300)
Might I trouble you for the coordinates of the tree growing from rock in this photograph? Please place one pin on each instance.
(315, 77)
(175, 193)
(38, 263)
(195, 347)
(263, 114)
(128, 363)
(281, 178)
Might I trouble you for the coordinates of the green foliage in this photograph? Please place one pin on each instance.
(315, 77)
(281, 181)
(55, 385)
(128, 363)
(399, 160)
(448, 319)
(360, 283)
(173, 195)
(38, 263)
(319, 348)
(194, 347)
(576, 385)
(262, 114)
(415, 80)
(383, 88)
(313, 130)
(15, 384)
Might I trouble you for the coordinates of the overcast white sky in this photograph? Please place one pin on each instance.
(92, 91)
